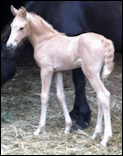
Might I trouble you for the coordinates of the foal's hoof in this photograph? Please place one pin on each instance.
(93, 136)
(67, 132)
(39, 129)
(37, 132)
(103, 143)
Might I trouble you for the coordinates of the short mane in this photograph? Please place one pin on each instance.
(46, 23)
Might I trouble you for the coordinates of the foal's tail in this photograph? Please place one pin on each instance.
(108, 62)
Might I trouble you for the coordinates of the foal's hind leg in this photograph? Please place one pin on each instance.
(98, 128)
(61, 99)
(46, 77)
(103, 97)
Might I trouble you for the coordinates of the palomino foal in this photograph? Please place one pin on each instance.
(55, 52)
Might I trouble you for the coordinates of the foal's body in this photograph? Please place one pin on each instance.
(55, 52)
(68, 48)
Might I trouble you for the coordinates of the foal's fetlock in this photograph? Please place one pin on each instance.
(67, 128)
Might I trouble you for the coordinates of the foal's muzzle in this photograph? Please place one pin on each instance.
(11, 46)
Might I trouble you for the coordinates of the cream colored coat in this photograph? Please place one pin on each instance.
(55, 52)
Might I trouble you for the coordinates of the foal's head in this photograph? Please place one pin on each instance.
(19, 27)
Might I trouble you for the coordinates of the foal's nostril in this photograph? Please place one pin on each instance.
(11, 46)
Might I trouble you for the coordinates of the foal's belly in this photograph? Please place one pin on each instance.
(67, 65)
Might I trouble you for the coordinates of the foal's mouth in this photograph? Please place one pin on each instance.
(13, 46)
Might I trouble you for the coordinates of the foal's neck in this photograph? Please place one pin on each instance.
(40, 30)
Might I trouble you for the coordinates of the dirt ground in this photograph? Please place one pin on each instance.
(20, 112)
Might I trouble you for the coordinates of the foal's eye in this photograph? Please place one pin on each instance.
(21, 28)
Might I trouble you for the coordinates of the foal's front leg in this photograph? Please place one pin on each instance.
(61, 99)
(46, 77)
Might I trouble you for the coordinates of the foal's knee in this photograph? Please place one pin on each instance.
(61, 97)
(44, 98)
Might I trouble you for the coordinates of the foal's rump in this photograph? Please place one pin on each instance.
(96, 53)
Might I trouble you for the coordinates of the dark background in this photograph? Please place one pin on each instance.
(6, 13)
(26, 56)
(6, 18)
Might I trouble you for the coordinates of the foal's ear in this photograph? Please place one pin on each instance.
(23, 12)
(14, 11)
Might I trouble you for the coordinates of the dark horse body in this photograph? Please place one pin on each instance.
(73, 18)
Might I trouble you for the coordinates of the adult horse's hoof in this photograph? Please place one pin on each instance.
(81, 120)
(76, 126)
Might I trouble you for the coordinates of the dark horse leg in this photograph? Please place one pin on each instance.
(8, 65)
(81, 111)
(8, 69)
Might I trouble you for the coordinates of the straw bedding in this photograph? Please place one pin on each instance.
(20, 112)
